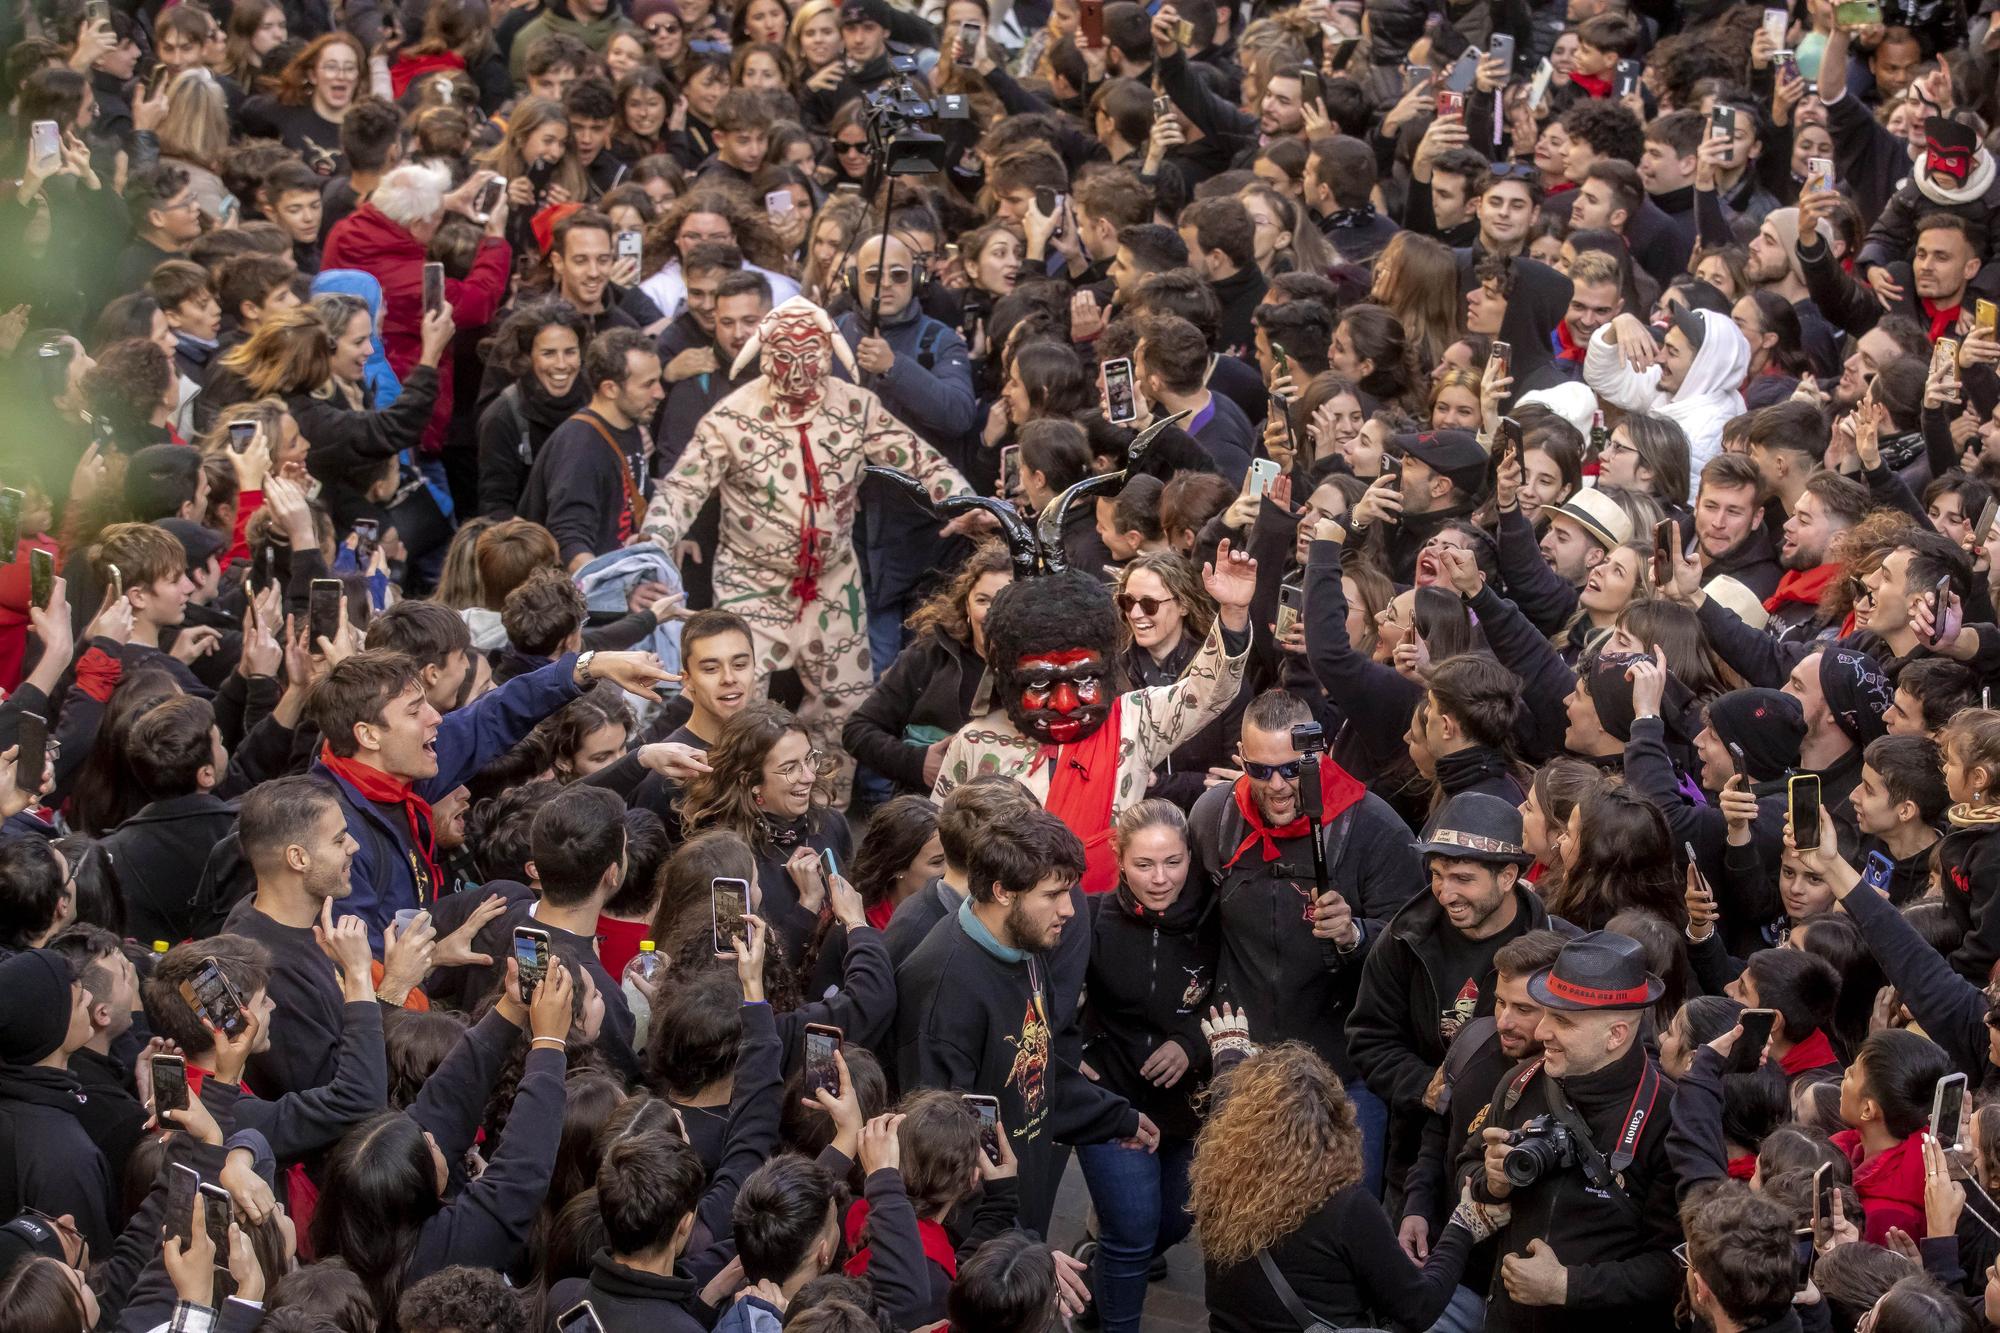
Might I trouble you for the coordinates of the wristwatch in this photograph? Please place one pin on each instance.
(583, 677)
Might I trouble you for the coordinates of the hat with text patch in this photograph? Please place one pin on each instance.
(1599, 971)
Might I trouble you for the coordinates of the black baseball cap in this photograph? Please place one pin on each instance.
(1454, 453)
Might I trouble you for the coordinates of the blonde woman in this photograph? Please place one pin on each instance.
(814, 40)
(1417, 277)
(194, 136)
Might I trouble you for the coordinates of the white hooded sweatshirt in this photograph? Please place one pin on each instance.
(1708, 397)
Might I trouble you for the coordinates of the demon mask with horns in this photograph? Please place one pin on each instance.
(795, 346)
(1052, 634)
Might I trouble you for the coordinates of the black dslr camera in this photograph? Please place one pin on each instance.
(1537, 1149)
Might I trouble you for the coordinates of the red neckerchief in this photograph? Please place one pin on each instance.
(806, 586)
(1592, 85)
(1083, 775)
(377, 786)
(1567, 348)
(1801, 585)
(936, 1243)
(1741, 1168)
(1338, 790)
(1815, 1052)
(1943, 320)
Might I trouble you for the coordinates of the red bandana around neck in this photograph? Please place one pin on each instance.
(1801, 585)
(1083, 775)
(1338, 790)
(1592, 85)
(377, 786)
(1943, 320)
(1815, 1052)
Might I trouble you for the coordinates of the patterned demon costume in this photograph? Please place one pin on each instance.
(787, 451)
(1086, 751)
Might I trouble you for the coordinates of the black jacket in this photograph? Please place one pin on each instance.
(1296, 985)
(158, 855)
(1150, 975)
(1411, 1003)
(512, 430)
(310, 1013)
(575, 489)
(349, 450)
(926, 695)
(1238, 294)
(916, 916)
(1753, 562)
(57, 1169)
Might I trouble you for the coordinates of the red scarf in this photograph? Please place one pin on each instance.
(1083, 775)
(1338, 790)
(1801, 585)
(936, 1244)
(376, 786)
(1815, 1052)
(1567, 348)
(1943, 320)
(1742, 1168)
(1592, 85)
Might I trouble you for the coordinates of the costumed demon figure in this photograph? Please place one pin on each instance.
(787, 452)
(1062, 727)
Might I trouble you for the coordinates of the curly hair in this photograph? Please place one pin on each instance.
(754, 237)
(1281, 1141)
(1181, 577)
(511, 349)
(944, 611)
(1067, 610)
(724, 797)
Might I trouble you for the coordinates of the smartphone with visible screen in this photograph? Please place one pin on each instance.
(1802, 792)
(531, 959)
(728, 900)
(1090, 22)
(10, 524)
(41, 577)
(1500, 47)
(489, 197)
(170, 1083)
(967, 46)
(1947, 1103)
(1749, 1049)
(632, 244)
(579, 1318)
(31, 737)
(241, 435)
(217, 1213)
(183, 1183)
(1121, 403)
(1010, 471)
(1257, 481)
(1503, 352)
(433, 287)
(367, 536)
(822, 1042)
(45, 141)
(214, 1000)
(987, 1110)
(1045, 200)
(323, 610)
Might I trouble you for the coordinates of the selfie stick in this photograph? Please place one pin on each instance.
(1311, 798)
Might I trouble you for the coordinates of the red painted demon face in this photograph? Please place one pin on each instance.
(1062, 696)
(796, 356)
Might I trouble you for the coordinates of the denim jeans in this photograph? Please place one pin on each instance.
(1141, 1203)
(885, 635)
(1373, 1114)
(1465, 1314)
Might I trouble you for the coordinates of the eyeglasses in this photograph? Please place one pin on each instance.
(1617, 446)
(179, 204)
(850, 146)
(898, 275)
(1289, 770)
(663, 28)
(1148, 606)
(818, 762)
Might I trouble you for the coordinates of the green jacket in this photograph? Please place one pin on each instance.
(595, 34)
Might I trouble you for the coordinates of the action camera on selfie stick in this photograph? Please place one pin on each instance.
(1310, 741)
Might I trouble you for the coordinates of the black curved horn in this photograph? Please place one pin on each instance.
(1146, 436)
(1049, 530)
(1014, 529)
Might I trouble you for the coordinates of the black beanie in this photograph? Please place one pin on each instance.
(1769, 726)
(1611, 691)
(1857, 693)
(35, 1018)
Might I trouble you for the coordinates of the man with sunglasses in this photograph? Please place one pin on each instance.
(1293, 948)
(920, 369)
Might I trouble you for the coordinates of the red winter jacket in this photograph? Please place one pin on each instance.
(1891, 1185)
(369, 241)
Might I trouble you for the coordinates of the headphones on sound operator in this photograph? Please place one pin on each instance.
(920, 274)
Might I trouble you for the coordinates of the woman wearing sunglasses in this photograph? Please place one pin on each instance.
(847, 149)
(1165, 613)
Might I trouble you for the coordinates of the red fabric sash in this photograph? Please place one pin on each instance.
(1815, 1052)
(937, 1245)
(1082, 777)
(1943, 321)
(806, 586)
(1338, 790)
(377, 786)
(1592, 85)
(1801, 585)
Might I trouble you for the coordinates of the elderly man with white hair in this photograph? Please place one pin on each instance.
(388, 236)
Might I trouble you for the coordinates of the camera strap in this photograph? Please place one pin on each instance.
(1307, 1321)
(1603, 1174)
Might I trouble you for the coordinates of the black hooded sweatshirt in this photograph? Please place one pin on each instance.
(1535, 307)
(1150, 975)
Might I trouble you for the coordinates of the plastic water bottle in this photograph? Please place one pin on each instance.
(645, 965)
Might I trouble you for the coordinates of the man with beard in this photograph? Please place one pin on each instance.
(1293, 948)
(1742, 1260)
(295, 838)
(1777, 265)
(1730, 536)
(588, 484)
(1828, 505)
(737, 305)
(1459, 1096)
(1442, 478)
(1432, 971)
(989, 999)
(1593, 1233)
(1545, 578)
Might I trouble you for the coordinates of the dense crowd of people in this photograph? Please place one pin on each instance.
(660, 657)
